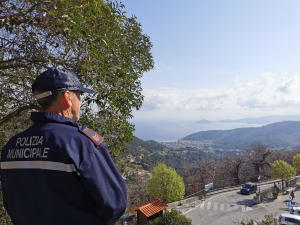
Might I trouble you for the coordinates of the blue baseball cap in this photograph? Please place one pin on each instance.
(57, 80)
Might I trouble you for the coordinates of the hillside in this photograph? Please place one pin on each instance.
(146, 154)
(277, 135)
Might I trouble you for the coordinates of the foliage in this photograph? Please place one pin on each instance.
(269, 220)
(93, 38)
(173, 217)
(233, 166)
(137, 193)
(4, 217)
(11, 127)
(258, 156)
(280, 135)
(166, 183)
(296, 162)
(198, 174)
(282, 170)
(152, 152)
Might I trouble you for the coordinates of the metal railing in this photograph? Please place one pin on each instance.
(190, 199)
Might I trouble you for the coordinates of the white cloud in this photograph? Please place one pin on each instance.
(290, 86)
(270, 92)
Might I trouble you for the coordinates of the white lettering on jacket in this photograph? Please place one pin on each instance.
(27, 153)
(30, 141)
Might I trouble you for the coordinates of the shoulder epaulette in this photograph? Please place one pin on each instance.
(94, 136)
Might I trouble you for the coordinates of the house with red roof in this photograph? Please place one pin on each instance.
(149, 211)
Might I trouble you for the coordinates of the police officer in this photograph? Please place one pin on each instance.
(56, 172)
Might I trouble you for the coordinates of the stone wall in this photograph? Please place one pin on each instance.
(267, 192)
(173, 205)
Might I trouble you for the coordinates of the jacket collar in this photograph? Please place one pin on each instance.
(37, 117)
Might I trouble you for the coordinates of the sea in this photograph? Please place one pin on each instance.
(168, 131)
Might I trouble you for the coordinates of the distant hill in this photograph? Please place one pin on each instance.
(257, 120)
(277, 135)
(204, 121)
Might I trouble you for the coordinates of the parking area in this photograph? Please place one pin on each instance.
(232, 208)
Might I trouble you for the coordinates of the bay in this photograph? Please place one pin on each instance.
(167, 131)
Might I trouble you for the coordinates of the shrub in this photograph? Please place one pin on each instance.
(270, 220)
(171, 218)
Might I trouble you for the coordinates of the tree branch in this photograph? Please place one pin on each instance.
(17, 113)
(13, 75)
(14, 66)
(17, 100)
(20, 65)
(10, 60)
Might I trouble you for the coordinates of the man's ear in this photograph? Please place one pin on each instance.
(68, 97)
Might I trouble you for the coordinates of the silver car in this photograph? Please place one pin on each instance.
(285, 219)
(295, 211)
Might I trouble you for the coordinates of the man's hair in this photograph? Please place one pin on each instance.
(48, 101)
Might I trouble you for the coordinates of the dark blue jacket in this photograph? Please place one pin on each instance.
(56, 173)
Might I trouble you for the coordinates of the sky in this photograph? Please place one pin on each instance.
(219, 59)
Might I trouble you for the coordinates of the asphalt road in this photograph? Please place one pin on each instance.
(232, 208)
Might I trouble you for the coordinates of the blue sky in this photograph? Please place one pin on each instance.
(220, 59)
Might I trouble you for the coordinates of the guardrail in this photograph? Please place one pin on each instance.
(217, 191)
(230, 188)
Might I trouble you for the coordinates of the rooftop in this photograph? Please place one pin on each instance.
(150, 208)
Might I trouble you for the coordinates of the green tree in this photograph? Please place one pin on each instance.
(173, 217)
(93, 38)
(166, 183)
(296, 162)
(282, 170)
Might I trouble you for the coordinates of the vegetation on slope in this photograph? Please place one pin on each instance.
(280, 135)
(146, 154)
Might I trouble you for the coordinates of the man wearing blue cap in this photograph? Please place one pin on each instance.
(56, 172)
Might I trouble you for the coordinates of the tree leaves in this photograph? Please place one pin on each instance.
(281, 169)
(166, 184)
(173, 217)
(96, 40)
(296, 162)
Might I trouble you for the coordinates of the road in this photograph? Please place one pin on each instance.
(232, 208)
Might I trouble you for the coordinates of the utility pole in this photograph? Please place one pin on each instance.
(258, 178)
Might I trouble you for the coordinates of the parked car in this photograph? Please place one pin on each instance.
(249, 188)
(285, 219)
(295, 211)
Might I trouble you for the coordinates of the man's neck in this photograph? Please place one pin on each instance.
(61, 112)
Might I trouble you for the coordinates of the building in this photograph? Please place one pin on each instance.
(149, 211)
